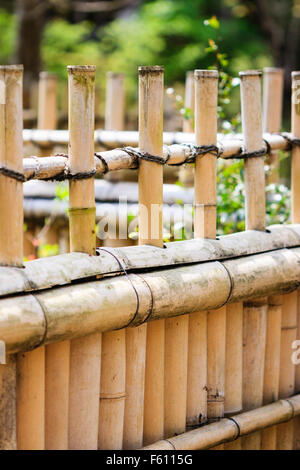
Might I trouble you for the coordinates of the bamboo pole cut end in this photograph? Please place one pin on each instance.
(73, 69)
(11, 68)
(273, 70)
(206, 74)
(250, 73)
(144, 70)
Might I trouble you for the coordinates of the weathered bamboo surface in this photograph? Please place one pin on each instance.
(64, 269)
(228, 430)
(67, 312)
(118, 159)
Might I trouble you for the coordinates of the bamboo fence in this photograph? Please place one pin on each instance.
(166, 346)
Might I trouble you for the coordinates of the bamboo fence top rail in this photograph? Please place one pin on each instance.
(44, 273)
(57, 166)
(30, 319)
(230, 429)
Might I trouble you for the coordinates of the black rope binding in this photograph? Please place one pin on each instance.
(102, 159)
(199, 150)
(16, 175)
(292, 141)
(242, 154)
(139, 155)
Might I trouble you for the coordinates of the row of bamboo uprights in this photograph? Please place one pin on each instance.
(131, 387)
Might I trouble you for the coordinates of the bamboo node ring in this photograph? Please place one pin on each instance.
(237, 426)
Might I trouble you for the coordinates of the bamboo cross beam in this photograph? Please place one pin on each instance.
(197, 286)
(110, 138)
(227, 430)
(57, 166)
(11, 220)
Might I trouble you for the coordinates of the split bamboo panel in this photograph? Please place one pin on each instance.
(11, 222)
(255, 311)
(85, 353)
(295, 177)
(272, 111)
(113, 357)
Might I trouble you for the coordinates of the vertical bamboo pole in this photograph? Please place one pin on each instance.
(31, 365)
(113, 361)
(151, 198)
(115, 102)
(295, 182)
(234, 365)
(255, 311)
(151, 92)
(47, 106)
(11, 222)
(285, 431)
(144, 385)
(85, 353)
(56, 355)
(177, 338)
(272, 365)
(186, 172)
(206, 92)
(272, 112)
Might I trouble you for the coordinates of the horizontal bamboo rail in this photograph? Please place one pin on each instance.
(72, 311)
(230, 429)
(64, 269)
(53, 166)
